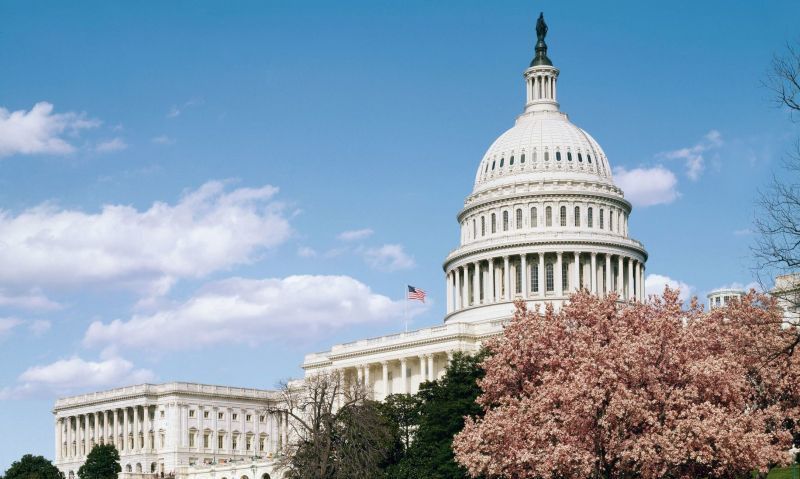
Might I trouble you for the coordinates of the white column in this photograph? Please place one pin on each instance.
(86, 434)
(506, 279)
(360, 375)
(107, 432)
(476, 284)
(490, 287)
(243, 432)
(643, 283)
(465, 287)
(58, 439)
(147, 427)
(385, 365)
(430, 367)
(630, 278)
(136, 429)
(422, 375)
(607, 288)
(214, 433)
(593, 278)
(403, 376)
(458, 288)
(557, 275)
(449, 288)
(366, 379)
(620, 282)
(542, 286)
(68, 432)
(229, 433)
(576, 285)
(524, 275)
(285, 433)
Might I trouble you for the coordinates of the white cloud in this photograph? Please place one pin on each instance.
(647, 186)
(743, 232)
(8, 324)
(30, 300)
(176, 110)
(209, 229)
(68, 376)
(655, 283)
(112, 145)
(389, 257)
(741, 286)
(39, 326)
(693, 155)
(162, 140)
(355, 235)
(40, 131)
(306, 252)
(249, 311)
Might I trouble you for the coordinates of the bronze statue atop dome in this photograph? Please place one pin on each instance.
(541, 27)
(541, 46)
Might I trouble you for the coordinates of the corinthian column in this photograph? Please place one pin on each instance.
(630, 278)
(577, 273)
(476, 284)
(458, 296)
(506, 279)
(524, 275)
(490, 286)
(593, 276)
(542, 285)
(58, 439)
(607, 288)
(558, 273)
(620, 282)
(403, 376)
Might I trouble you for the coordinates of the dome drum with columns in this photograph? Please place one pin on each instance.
(544, 217)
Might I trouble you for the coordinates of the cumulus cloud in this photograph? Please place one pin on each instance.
(112, 145)
(68, 376)
(40, 131)
(8, 324)
(655, 283)
(249, 311)
(306, 252)
(207, 230)
(693, 155)
(39, 327)
(355, 235)
(647, 186)
(30, 300)
(389, 257)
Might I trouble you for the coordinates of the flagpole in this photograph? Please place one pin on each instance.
(405, 307)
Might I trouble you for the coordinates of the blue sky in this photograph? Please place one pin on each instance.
(206, 191)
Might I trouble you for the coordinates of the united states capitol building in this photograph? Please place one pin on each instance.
(544, 219)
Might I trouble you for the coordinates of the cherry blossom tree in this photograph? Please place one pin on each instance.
(603, 389)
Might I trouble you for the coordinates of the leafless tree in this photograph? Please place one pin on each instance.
(335, 431)
(777, 224)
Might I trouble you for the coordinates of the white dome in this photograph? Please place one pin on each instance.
(543, 146)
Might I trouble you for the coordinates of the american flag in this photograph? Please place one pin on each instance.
(415, 293)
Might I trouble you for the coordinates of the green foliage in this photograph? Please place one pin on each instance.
(33, 467)
(101, 463)
(401, 412)
(439, 413)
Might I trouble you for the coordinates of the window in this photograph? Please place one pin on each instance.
(535, 277)
(588, 158)
(191, 412)
(220, 415)
(474, 229)
(261, 419)
(206, 440)
(577, 216)
(558, 156)
(248, 443)
(569, 156)
(483, 226)
(261, 444)
(601, 218)
(564, 276)
(533, 218)
(234, 442)
(548, 272)
(487, 167)
(619, 222)
(501, 162)
(546, 155)
(505, 220)
(494, 223)
(205, 414)
(589, 219)
(191, 439)
(161, 413)
(519, 218)
(610, 221)
(548, 216)
(220, 441)
(248, 417)
(492, 165)
(563, 216)
(511, 161)
(522, 158)
(580, 158)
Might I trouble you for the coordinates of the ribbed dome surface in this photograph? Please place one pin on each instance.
(543, 145)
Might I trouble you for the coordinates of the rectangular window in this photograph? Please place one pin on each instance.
(191, 439)
(205, 414)
(191, 412)
(234, 442)
(234, 417)
(220, 441)
(220, 415)
(206, 440)
(248, 417)
(261, 419)
(589, 219)
(534, 219)
(565, 276)
(249, 443)
(161, 413)
(548, 217)
(550, 283)
(518, 278)
(601, 218)
(535, 277)
(261, 444)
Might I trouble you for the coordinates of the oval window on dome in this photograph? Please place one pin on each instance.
(580, 158)
(522, 158)
(558, 156)
(493, 165)
(511, 161)
(501, 162)
(546, 156)
(569, 156)
(589, 158)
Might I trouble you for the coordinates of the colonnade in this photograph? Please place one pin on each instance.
(128, 428)
(541, 276)
(425, 364)
(542, 86)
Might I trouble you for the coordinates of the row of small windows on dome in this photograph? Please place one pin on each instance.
(495, 164)
(605, 220)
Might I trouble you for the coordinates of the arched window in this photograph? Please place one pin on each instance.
(494, 224)
(569, 156)
(546, 155)
(619, 222)
(474, 229)
(548, 277)
(487, 167)
(577, 216)
(511, 160)
(565, 276)
(522, 158)
(534, 156)
(610, 221)
(563, 216)
(548, 216)
(535, 277)
(601, 218)
(505, 220)
(483, 226)
(501, 162)
(534, 219)
(580, 158)
(588, 157)
(589, 219)
(492, 165)
(128, 468)
(519, 218)
(518, 278)
(558, 156)
(265, 476)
